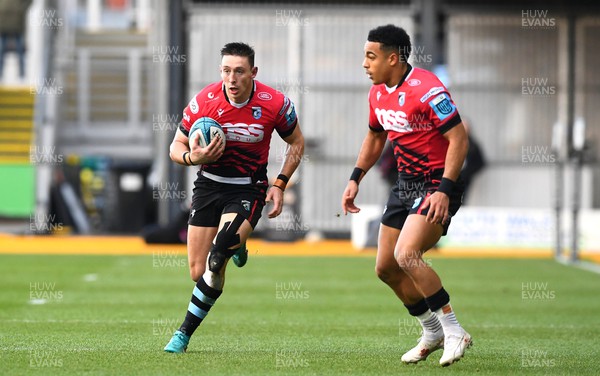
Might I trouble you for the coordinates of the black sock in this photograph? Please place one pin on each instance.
(438, 300)
(203, 298)
(418, 308)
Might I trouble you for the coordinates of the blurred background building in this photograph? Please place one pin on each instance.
(84, 135)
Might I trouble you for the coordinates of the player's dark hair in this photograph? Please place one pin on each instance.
(392, 39)
(239, 49)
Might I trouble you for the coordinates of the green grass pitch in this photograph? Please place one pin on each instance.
(109, 315)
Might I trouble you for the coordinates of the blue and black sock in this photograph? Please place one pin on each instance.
(203, 298)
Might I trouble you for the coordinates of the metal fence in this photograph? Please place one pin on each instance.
(508, 74)
(106, 95)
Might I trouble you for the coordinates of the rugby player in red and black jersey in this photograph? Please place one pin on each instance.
(412, 108)
(232, 187)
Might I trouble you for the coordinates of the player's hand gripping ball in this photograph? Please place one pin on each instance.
(204, 130)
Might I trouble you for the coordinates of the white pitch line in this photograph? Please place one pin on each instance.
(93, 277)
(75, 321)
(589, 266)
(583, 265)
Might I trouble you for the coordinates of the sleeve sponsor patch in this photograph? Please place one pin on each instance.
(194, 106)
(433, 91)
(286, 102)
(442, 106)
(290, 115)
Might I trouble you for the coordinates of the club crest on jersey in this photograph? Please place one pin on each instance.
(246, 204)
(256, 112)
(378, 95)
(413, 82)
(401, 98)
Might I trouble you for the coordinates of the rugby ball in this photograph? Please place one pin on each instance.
(207, 129)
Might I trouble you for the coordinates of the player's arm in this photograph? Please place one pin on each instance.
(294, 152)
(179, 150)
(178, 147)
(458, 145)
(292, 158)
(370, 151)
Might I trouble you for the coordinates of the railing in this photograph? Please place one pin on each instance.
(109, 90)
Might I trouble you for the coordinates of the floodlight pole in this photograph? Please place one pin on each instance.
(557, 135)
(577, 164)
(573, 153)
(177, 88)
(578, 147)
(558, 209)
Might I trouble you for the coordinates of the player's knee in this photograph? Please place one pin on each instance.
(225, 245)
(386, 273)
(218, 256)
